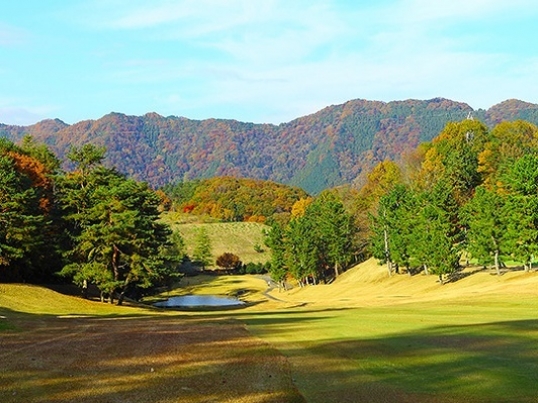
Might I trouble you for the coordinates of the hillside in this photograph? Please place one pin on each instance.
(330, 147)
(239, 238)
(368, 284)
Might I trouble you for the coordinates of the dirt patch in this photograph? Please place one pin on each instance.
(157, 359)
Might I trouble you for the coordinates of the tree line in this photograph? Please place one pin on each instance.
(92, 225)
(471, 195)
(316, 244)
(233, 199)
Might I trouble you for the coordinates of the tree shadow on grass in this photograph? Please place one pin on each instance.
(493, 362)
(115, 358)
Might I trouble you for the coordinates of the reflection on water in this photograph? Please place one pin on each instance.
(198, 300)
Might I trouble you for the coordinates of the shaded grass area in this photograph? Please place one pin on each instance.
(111, 358)
(412, 353)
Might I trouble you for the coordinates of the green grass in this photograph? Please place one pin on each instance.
(443, 352)
(412, 340)
(5, 325)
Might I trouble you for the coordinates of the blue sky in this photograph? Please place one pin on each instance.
(258, 60)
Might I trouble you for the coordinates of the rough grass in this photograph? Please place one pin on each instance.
(369, 285)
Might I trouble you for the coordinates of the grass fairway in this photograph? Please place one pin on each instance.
(364, 338)
(374, 339)
(454, 352)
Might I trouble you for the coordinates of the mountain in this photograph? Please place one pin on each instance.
(327, 148)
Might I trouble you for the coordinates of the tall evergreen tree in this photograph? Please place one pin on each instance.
(28, 230)
(392, 229)
(21, 222)
(521, 183)
(117, 238)
(439, 234)
(486, 220)
(302, 251)
(202, 251)
(275, 241)
(334, 229)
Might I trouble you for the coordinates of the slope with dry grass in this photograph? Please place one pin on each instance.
(369, 284)
(239, 238)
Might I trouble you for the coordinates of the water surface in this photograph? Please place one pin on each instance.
(198, 301)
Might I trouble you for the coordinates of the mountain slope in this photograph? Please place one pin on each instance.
(327, 148)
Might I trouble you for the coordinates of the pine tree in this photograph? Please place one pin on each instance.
(302, 251)
(117, 238)
(391, 229)
(437, 240)
(21, 222)
(28, 222)
(521, 212)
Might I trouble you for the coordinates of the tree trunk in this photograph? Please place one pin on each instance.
(85, 289)
(336, 271)
(121, 297)
(497, 265)
(426, 272)
(115, 258)
(387, 253)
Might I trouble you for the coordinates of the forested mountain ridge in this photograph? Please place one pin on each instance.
(330, 147)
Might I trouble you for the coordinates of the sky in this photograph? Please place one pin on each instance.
(262, 61)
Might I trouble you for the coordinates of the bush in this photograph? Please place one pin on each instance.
(254, 268)
(229, 261)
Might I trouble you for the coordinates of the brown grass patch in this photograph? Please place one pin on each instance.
(138, 359)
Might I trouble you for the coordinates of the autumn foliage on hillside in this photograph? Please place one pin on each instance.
(232, 199)
(333, 146)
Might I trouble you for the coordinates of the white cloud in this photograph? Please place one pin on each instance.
(19, 116)
(427, 11)
(11, 36)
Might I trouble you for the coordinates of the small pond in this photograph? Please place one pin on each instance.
(199, 301)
